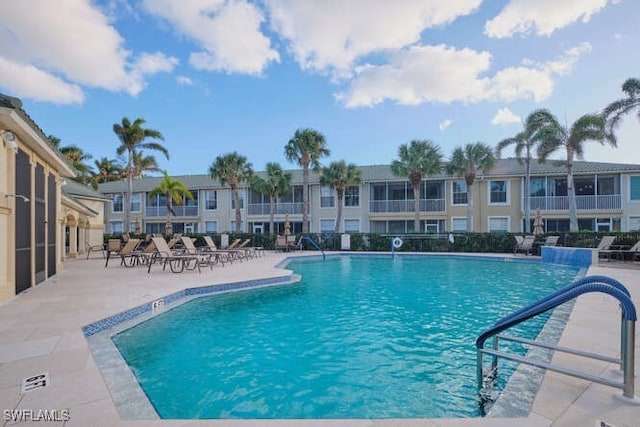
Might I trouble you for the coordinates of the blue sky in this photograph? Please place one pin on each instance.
(216, 76)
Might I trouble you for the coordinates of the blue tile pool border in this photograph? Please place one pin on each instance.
(116, 319)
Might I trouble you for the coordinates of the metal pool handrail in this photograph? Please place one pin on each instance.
(583, 286)
(314, 244)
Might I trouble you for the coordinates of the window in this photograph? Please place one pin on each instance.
(211, 227)
(432, 226)
(537, 187)
(327, 225)
(233, 226)
(459, 193)
(136, 203)
(241, 197)
(211, 200)
(498, 192)
(498, 224)
(117, 203)
(351, 225)
(116, 227)
(326, 198)
(459, 224)
(607, 185)
(352, 196)
(433, 190)
(634, 188)
(634, 223)
(380, 226)
(585, 186)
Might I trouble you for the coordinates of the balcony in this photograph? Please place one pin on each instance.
(156, 211)
(426, 205)
(280, 208)
(561, 203)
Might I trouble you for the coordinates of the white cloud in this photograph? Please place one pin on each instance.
(330, 35)
(445, 74)
(184, 81)
(540, 16)
(504, 116)
(228, 31)
(81, 50)
(27, 81)
(445, 124)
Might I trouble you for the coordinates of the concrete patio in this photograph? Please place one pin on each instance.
(40, 331)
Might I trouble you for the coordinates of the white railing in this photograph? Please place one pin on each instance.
(561, 203)
(280, 208)
(426, 205)
(152, 211)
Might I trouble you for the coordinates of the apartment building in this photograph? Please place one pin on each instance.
(607, 195)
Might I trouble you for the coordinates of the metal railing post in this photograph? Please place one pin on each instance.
(628, 355)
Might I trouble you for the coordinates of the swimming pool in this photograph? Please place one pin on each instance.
(359, 337)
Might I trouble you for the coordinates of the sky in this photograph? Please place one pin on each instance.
(216, 76)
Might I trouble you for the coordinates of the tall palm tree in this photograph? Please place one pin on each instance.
(615, 111)
(142, 164)
(553, 136)
(339, 176)
(417, 160)
(466, 162)
(525, 145)
(175, 192)
(232, 169)
(133, 138)
(277, 183)
(306, 148)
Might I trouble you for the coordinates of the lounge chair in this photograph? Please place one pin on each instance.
(221, 254)
(177, 262)
(95, 248)
(293, 243)
(128, 254)
(240, 251)
(526, 247)
(551, 241)
(204, 257)
(281, 243)
(605, 243)
(621, 252)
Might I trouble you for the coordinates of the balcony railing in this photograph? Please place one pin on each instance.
(152, 211)
(280, 208)
(561, 203)
(426, 205)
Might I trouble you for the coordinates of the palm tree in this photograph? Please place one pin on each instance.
(174, 191)
(78, 159)
(106, 170)
(417, 160)
(142, 164)
(553, 136)
(277, 183)
(615, 111)
(466, 162)
(306, 148)
(339, 176)
(232, 169)
(132, 138)
(525, 145)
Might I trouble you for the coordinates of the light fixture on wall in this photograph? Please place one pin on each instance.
(18, 196)
(9, 139)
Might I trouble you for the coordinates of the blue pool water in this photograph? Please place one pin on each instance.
(359, 337)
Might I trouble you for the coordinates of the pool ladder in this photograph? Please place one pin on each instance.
(314, 244)
(585, 285)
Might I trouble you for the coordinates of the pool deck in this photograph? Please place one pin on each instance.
(40, 331)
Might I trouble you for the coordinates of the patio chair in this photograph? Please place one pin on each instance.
(221, 254)
(293, 243)
(240, 251)
(526, 247)
(281, 243)
(551, 241)
(621, 252)
(204, 257)
(177, 262)
(94, 248)
(128, 254)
